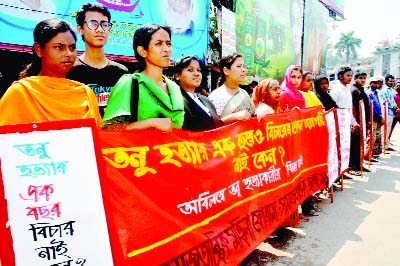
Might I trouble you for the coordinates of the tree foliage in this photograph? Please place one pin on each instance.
(346, 46)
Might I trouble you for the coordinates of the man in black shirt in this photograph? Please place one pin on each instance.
(92, 67)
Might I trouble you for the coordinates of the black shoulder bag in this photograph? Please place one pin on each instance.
(134, 99)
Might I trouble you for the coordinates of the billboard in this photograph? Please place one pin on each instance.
(268, 36)
(187, 19)
(315, 43)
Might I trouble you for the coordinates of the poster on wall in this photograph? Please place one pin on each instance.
(315, 44)
(53, 196)
(228, 32)
(273, 41)
(187, 19)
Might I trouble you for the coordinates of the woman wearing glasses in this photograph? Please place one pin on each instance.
(43, 93)
(92, 67)
(147, 99)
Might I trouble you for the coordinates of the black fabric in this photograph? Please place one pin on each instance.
(355, 151)
(196, 119)
(134, 99)
(358, 94)
(100, 80)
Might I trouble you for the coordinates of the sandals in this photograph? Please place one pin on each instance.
(356, 173)
(312, 213)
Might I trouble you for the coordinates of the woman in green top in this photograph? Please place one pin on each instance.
(159, 101)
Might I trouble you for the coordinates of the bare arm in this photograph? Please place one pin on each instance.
(163, 124)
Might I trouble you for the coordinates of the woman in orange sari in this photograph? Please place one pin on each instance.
(266, 98)
(43, 93)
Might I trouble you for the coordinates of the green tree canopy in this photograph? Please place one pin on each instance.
(347, 46)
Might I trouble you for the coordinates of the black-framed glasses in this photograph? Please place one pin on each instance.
(94, 25)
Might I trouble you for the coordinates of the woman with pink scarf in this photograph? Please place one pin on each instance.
(290, 96)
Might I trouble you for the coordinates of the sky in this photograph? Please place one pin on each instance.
(371, 20)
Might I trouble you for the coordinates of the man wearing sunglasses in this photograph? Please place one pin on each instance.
(92, 67)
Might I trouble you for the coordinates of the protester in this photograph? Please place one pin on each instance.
(396, 96)
(232, 103)
(92, 67)
(266, 98)
(358, 94)
(43, 93)
(306, 90)
(341, 94)
(147, 99)
(387, 95)
(378, 118)
(290, 96)
(321, 86)
(200, 113)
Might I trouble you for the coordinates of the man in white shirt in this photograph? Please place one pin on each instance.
(341, 94)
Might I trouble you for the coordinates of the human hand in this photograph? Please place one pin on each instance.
(263, 110)
(163, 124)
(243, 115)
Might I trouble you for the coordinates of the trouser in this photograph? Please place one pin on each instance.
(394, 122)
(376, 148)
(389, 123)
(355, 151)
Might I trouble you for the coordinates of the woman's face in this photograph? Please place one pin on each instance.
(324, 85)
(190, 78)
(274, 91)
(159, 51)
(308, 82)
(58, 55)
(237, 72)
(296, 78)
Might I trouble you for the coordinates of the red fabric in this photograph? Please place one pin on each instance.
(147, 227)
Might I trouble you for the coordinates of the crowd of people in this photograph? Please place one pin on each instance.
(58, 85)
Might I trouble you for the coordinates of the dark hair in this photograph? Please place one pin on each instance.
(359, 74)
(227, 61)
(142, 38)
(42, 34)
(184, 62)
(342, 71)
(388, 76)
(317, 83)
(81, 13)
(306, 73)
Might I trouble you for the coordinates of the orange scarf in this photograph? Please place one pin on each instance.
(42, 99)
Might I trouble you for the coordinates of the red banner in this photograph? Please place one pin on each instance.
(208, 198)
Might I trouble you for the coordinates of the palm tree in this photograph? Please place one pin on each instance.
(347, 44)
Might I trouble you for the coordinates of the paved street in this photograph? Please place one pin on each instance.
(361, 227)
